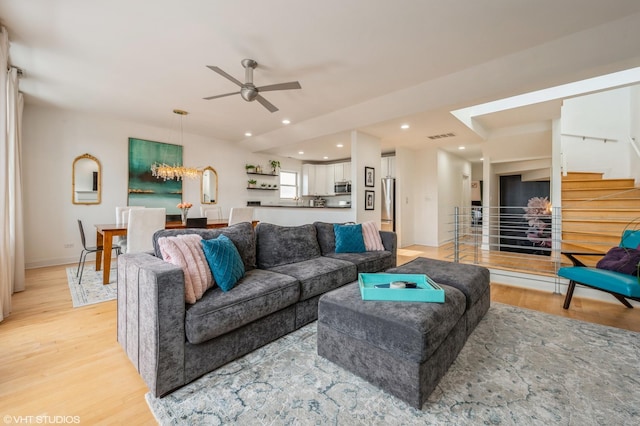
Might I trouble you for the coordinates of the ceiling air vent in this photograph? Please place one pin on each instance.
(442, 136)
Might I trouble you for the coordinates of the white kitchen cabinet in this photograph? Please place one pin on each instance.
(308, 179)
(319, 179)
(342, 172)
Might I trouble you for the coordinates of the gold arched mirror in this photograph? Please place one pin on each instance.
(209, 186)
(86, 183)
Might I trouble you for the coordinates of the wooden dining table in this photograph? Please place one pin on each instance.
(106, 232)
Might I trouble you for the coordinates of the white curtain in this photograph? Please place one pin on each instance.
(11, 233)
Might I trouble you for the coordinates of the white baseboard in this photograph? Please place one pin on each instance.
(57, 261)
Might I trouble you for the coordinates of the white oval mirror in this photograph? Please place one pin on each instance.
(209, 186)
(86, 182)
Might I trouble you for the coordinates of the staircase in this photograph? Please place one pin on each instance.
(595, 211)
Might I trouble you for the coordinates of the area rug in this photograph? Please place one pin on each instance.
(91, 290)
(518, 367)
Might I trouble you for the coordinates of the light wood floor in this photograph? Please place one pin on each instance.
(61, 361)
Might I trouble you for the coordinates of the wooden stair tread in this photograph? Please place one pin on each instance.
(596, 220)
(581, 175)
(600, 209)
(604, 199)
(594, 233)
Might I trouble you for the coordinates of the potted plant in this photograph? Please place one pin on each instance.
(274, 166)
(250, 168)
(251, 183)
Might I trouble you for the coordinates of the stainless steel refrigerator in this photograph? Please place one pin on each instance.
(388, 219)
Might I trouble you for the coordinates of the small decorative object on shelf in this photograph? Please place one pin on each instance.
(264, 185)
(274, 166)
(184, 208)
(258, 169)
(251, 183)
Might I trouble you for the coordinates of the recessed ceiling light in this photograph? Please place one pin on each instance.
(339, 145)
(325, 157)
(286, 121)
(461, 148)
(247, 134)
(481, 158)
(300, 152)
(404, 126)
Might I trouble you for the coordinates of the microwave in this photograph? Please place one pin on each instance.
(342, 187)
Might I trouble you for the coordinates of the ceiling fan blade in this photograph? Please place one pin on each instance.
(225, 75)
(221, 96)
(280, 86)
(265, 103)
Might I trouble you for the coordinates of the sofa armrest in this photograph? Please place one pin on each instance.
(390, 242)
(151, 319)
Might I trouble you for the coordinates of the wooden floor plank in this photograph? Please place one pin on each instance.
(60, 360)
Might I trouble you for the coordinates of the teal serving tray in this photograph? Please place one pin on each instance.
(426, 290)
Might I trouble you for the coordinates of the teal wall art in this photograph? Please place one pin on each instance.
(145, 189)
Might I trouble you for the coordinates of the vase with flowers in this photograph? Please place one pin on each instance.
(184, 208)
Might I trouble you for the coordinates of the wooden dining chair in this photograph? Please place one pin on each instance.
(86, 250)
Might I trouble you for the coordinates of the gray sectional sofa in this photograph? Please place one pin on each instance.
(287, 270)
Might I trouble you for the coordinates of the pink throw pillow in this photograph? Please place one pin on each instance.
(371, 236)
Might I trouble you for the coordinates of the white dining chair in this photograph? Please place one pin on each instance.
(240, 214)
(143, 223)
(211, 212)
(122, 218)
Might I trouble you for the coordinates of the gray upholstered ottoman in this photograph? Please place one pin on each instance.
(404, 348)
(472, 280)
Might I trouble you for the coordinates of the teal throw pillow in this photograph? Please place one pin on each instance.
(224, 261)
(349, 238)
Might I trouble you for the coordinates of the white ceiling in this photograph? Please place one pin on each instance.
(363, 65)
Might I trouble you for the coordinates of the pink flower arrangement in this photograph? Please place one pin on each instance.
(184, 205)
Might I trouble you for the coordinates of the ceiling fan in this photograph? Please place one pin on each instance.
(248, 90)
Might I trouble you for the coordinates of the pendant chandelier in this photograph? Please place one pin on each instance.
(166, 171)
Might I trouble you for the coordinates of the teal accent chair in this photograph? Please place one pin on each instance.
(619, 285)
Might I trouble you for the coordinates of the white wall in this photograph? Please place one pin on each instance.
(53, 138)
(425, 193)
(605, 115)
(405, 171)
(365, 152)
(634, 131)
(452, 171)
(518, 146)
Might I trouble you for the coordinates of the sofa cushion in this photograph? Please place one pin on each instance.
(224, 260)
(258, 294)
(242, 235)
(280, 245)
(349, 238)
(319, 275)
(326, 237)
(370, 261)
